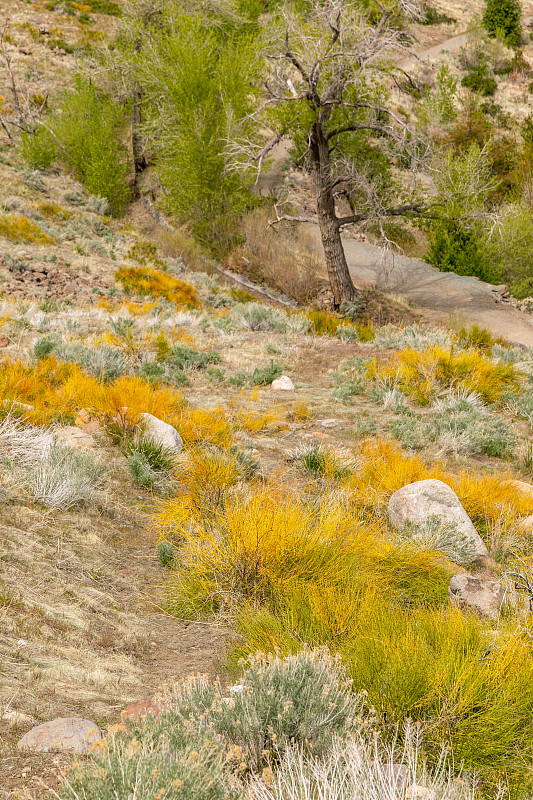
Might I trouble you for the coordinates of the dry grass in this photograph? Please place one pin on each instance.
(287, 257)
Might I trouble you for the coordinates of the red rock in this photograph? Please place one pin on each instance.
(141, 708)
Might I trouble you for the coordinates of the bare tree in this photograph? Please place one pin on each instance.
(330, 70)
(20, 110)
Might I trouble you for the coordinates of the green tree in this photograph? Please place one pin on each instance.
(86, 134)
(502, 17)
(327, 69)
(190, 70)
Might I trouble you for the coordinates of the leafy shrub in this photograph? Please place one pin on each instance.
(456, 248)
(213, 88)
(412, 337)
(437, 534)
(302, 700)
(165, 553)
(162, 761)
(145, 281)
(184, 357)
(88, 131)
(480, 80)
(502, 17)
(106, 363)
(458, 431)
(263, 376)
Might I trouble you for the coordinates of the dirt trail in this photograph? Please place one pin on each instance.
(438, 294)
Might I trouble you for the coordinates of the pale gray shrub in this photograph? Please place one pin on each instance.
(416, 336)
(362, 770)
(24, 444)
(65, 478)
(57, 475)
(256, 317)
(298, 323)
(97, 204)
(437, 534)
(459, 400)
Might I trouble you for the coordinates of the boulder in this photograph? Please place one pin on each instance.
(417, 501)
(65, 734)
(484, 597)
(283, 384)
(526, 525)
(161, 432)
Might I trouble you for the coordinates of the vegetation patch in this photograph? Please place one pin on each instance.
(145, 281)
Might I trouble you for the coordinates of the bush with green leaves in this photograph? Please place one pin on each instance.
(183, 357)
(257, 317)
(165, 553)
(189, 111)
(454, 247)
(502, 18)
(86, 135)
(149, 462)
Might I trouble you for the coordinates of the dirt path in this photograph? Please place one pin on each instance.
(438, 294)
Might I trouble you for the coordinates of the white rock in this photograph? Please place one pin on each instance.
(283, 384)
(237, 689)
(71, 735)
(161, 432)
(417, 501)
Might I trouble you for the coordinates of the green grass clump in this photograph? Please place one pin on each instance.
(436, 667)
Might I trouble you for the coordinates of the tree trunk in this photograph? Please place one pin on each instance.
(139, 161)
(339, 275)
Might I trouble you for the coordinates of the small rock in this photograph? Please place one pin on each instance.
(237, 689)
(4, 341)
(142, 708)
(417, 501)
(486, 598)
(71, 735)
(522, 486)
(83, 418)
(526, 525)
(417, 792)
(283, 384)
(329, 423)
(44, 29)
(74, 437)
(161, 432)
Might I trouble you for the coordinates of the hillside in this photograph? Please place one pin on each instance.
(348, 491)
